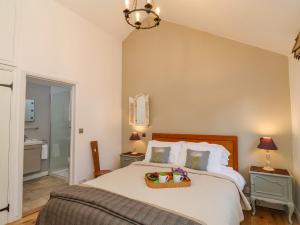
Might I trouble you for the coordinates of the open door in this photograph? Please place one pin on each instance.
(60, 132)
(6, 77)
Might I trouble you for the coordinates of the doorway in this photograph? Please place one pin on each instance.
(47, 140)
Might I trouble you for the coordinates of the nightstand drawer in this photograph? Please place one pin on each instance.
(272, 187)
(127, 161)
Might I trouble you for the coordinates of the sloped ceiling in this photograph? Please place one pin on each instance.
(269, 24)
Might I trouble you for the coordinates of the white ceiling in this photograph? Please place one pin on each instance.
(269, 24)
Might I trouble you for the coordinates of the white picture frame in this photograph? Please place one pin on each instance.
(139, 110)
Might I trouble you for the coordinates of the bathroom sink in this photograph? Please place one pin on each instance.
(33, 142)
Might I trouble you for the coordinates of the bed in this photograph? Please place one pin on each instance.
(121, 197)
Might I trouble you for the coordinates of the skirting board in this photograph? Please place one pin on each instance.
(35, 176)
(61, 173)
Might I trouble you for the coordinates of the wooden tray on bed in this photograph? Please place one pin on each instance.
(170, 184)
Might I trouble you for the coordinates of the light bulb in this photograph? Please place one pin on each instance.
(157, 10)
(137, 16)
(127, 4)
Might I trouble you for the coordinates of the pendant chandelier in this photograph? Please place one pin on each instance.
(144, 17)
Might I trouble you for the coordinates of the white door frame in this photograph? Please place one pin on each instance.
(13, 72)
(17, 151)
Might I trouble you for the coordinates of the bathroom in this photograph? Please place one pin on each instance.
(46, 141)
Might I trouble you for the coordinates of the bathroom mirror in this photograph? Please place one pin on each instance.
(29, 110)
(139, 110)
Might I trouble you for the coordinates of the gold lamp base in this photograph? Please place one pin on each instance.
(268, 168)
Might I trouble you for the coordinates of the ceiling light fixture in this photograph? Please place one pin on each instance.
(142, 18)
(296, 49)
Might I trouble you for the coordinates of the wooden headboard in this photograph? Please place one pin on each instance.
(229, 142)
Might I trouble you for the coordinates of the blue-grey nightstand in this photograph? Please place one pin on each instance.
(128, 158)
(273, 187)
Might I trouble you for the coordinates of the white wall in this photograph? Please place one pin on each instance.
(58, 43)
(294, 71)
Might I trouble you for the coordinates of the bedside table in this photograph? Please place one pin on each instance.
(273, 187)
(128, 158)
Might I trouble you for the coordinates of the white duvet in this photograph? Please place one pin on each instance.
(212, 199)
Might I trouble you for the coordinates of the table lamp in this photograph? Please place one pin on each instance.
(134, 137)
(267, 143)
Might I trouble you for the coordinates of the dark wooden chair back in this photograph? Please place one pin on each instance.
(95, 153)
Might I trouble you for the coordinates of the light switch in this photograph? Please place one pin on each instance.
(80, 130)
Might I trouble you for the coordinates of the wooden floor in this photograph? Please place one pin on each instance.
(266, 216)
(263, 216)
(36, 192)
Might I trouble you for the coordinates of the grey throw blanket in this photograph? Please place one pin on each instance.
(78, 205)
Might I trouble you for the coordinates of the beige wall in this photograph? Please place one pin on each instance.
(294, 69)
(204, 84)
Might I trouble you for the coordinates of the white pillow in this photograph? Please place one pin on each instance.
(225, 153)
(215, 156)
(176, 147)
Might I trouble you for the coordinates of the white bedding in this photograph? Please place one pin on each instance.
(212, 199)
(234, 175)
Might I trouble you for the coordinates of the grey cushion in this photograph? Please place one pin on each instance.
(160, 154)
(197, 160)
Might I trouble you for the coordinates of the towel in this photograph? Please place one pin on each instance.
(44, 154)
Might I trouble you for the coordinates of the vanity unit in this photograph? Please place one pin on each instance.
(32, 147)
(32, 156)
